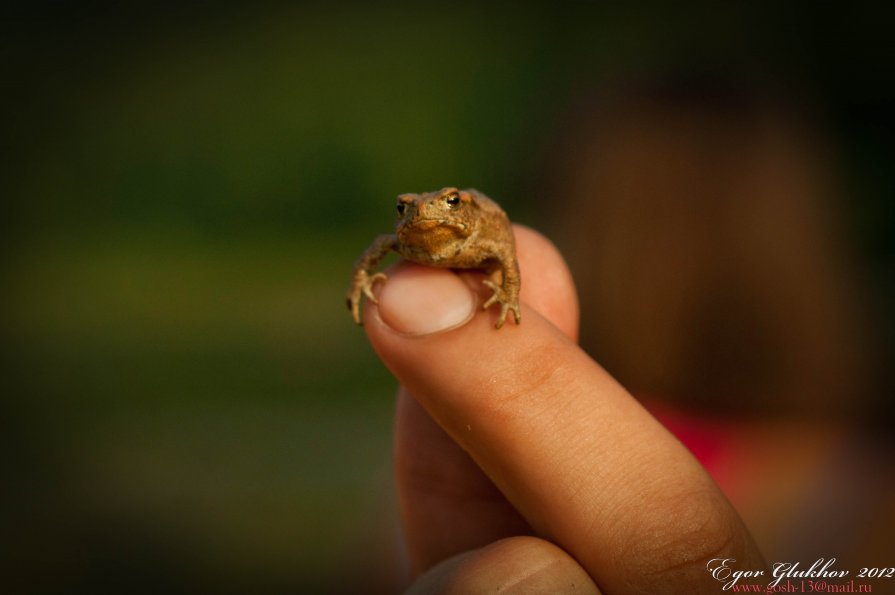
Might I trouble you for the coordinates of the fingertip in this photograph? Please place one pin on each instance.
(547, 283)
(418, 300)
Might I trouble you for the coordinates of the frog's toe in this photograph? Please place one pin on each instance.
(368, 286)
(354, 305)
(504, 307)
(506, 302)
(362, 286)
(497, 296)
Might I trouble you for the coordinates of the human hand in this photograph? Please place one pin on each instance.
(520, 463)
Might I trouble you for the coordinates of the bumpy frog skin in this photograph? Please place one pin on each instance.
(450, 228)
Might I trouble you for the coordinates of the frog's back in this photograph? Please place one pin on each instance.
(494, 222)
(486, 203)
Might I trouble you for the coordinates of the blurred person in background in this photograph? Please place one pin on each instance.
(698, 217)
(714, 283)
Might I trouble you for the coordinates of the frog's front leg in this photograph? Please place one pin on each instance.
(507, 293)
(362, 282)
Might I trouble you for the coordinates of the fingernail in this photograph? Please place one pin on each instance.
(422, 300)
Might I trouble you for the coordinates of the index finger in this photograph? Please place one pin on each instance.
(447, 504)
(583, 462)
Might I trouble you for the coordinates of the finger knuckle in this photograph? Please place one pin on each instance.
(538, 386)
(685, 529)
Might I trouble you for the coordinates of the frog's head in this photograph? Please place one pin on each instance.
(442, 216)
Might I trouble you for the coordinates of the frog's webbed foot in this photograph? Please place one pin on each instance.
(505, 299)
(362, 285)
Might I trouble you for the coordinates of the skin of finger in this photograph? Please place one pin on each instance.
(547, 284)
(448, 505)
(572, 451)
(512, 565)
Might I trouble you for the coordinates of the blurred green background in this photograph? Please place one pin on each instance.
(186, 404)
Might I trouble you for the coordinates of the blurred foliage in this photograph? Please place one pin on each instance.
(184, 192)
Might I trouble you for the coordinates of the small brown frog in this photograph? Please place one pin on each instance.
(451, 228)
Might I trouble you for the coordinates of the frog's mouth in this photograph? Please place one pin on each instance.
(431, 233)
(429, 224)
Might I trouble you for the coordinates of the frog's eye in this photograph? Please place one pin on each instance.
(401, 207)
(453, 201)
